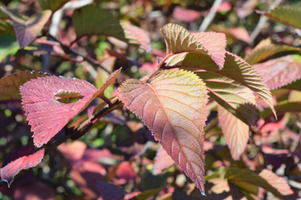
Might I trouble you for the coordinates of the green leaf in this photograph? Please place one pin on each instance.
(91, 19)
(281, 108)
(9, 85)
(180, 40)
(266, 49)
(148, 193)
(27, 30)
(52, 5)
(244, 178)
(6, 28)
(3, 15)
(286, 14)
(9, 46)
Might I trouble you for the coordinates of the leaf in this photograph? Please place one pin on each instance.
(6, 28)
(281, 108)
(37, 190)
(125, 171)
(277, 182)
(162, 161)
(52, 5)
(45, 114)
(109, 192)
(185, 15)
(9, 85)
(27, 30)
(244, 179)
(3, 15)
(9, 46)
(23, 159)
(148, 193)
(173, 107)
(266, 49)
(180, 40)
(235, 131)
(286, 14)
(245, 8)
(280, 71)
(137, 35)
(91, 19)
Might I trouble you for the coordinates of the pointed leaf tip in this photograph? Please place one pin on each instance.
(173, 107)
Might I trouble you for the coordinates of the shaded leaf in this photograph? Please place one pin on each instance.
(150, 181)
(3, 15)
(180, 40)
(148, 193)
(52, 5)
(7, 28)
(266, 49)
(286, 14)
(9, 85)
(45, 114)
(108, 191)
(245, 8)
(173, 107)
(235, 131)
(92, 19)
(185, 15)
(23, 159)
(237, 33)
(27, 30)
(281, 108)
(73, 151)
(9, 46)
(277, 182)
(137, 35)
(280, 71)
(162, 161)
(36, 191)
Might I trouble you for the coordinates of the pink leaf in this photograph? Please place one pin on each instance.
(27, 30)
(135, 33)
(73, 151)
(162, 161)
(185, 15)
(245, 8)
(173, 107)
(280, 71)
(29, 158)
(235, 131)
(125, 171)
(277, 182)
(46, 115)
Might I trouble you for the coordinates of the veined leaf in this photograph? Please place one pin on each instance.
(180, 40)
(281, 108)
(280, 71)
(23, 159)
(235, 131)
(27, 30)
(137, 35)
(9, 46)
(286, 14)
(277, 182)
(9, 85)
(227, 86)
(91, 19)
(52, 5)
(173, 107)
(244, 179)
(265, 50)
(45, 114)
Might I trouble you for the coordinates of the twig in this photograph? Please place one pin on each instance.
(208, 19)
(263, 19)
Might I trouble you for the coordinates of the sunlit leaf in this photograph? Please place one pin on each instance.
(52, 5)
(180, 40)
(277, 182)
(285, 14)
(27, 30)
(235, 34)
(9, 46)
(162, 161)
(92, 19)
(281, 108)
(138, 36)
(9, 85)
(235, 131)
(22, 159)
(46, 115)
(173, 107)
(266, 49)
(185, 15)
(280, 71)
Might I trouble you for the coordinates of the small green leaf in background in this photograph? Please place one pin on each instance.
(27, 30)
(91, 19)
(3, 15)
(52, 5)
(286, 14)
(9, 46)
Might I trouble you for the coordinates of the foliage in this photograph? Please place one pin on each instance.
(140, 123)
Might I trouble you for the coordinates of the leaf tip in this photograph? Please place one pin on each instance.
(203, 193)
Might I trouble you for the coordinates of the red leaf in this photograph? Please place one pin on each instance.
(30, 158)
(173, 107)
(73, 151)
(280, 71)
(45, 114)
(185, 15)
(125, 171)
(135, 33)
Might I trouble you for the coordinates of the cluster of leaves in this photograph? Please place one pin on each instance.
(159, 130)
